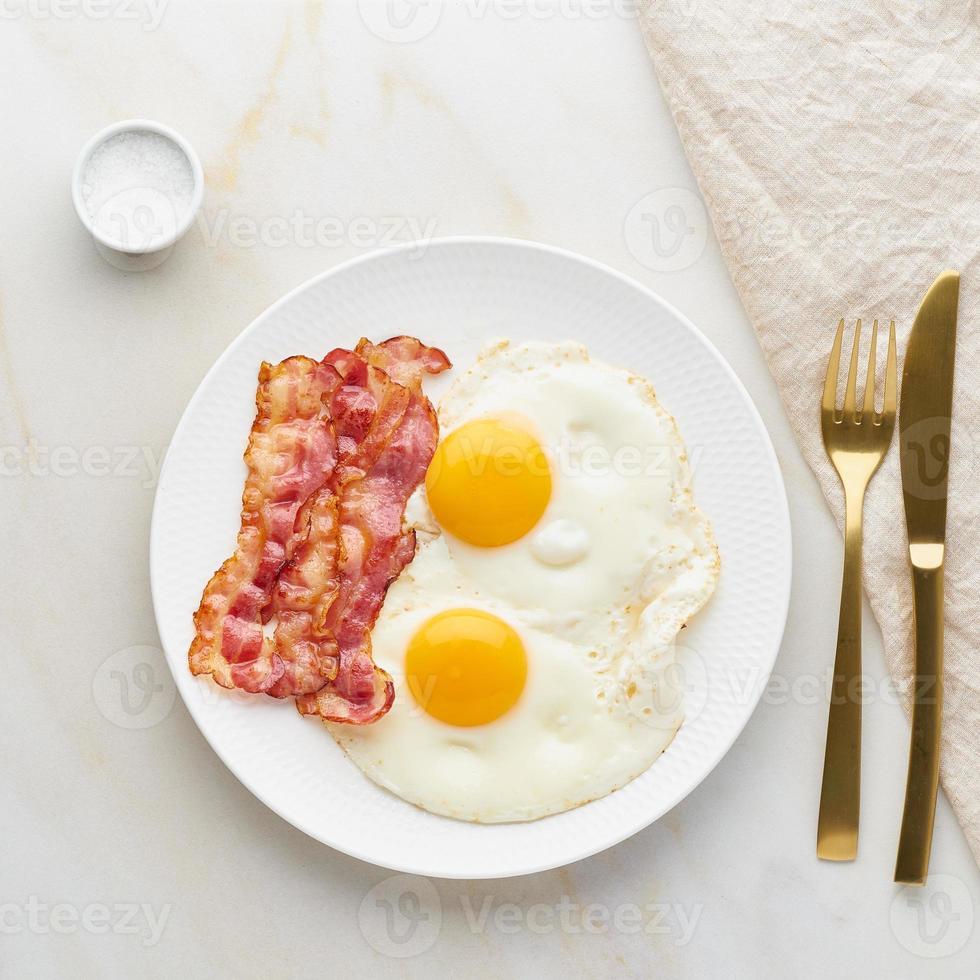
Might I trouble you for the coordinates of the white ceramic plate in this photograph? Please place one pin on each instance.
(456, 294)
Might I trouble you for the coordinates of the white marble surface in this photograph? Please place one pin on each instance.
(128, 848)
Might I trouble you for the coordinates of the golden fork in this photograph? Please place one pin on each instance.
(856, 442)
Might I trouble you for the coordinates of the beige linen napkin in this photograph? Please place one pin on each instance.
(837, 146)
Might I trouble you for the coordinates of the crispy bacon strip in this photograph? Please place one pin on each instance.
(304, 592)
(404, 359)
(380, 467)
(291, 454)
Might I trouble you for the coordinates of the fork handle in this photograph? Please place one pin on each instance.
(840, 794)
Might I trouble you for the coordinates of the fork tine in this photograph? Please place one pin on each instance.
(833, 371)
(891, 379)
(869, 382)
(850, 392)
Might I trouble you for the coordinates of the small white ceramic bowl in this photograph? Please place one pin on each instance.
(156, 247)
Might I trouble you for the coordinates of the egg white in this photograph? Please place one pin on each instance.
(597, 591)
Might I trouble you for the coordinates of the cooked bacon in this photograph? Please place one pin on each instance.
(291, 454)
(379, 469)
(404, 359)
(374, 551)
(366, 410)
(307, 586)
(336, 450)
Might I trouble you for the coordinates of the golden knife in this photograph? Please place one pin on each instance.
(924, 425)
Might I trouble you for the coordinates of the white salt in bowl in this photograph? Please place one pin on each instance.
(137, 186)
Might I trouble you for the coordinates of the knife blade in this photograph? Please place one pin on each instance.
(925, 413)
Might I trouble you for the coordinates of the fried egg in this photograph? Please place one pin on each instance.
(532, 639)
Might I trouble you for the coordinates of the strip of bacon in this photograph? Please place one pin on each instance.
(404, 359)
(291, 454)
(307, 587)
(380, 467)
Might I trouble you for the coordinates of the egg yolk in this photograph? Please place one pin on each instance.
(465, 667)
(489, 482)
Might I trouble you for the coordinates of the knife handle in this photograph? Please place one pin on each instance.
(840, 792)
(915, 841)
